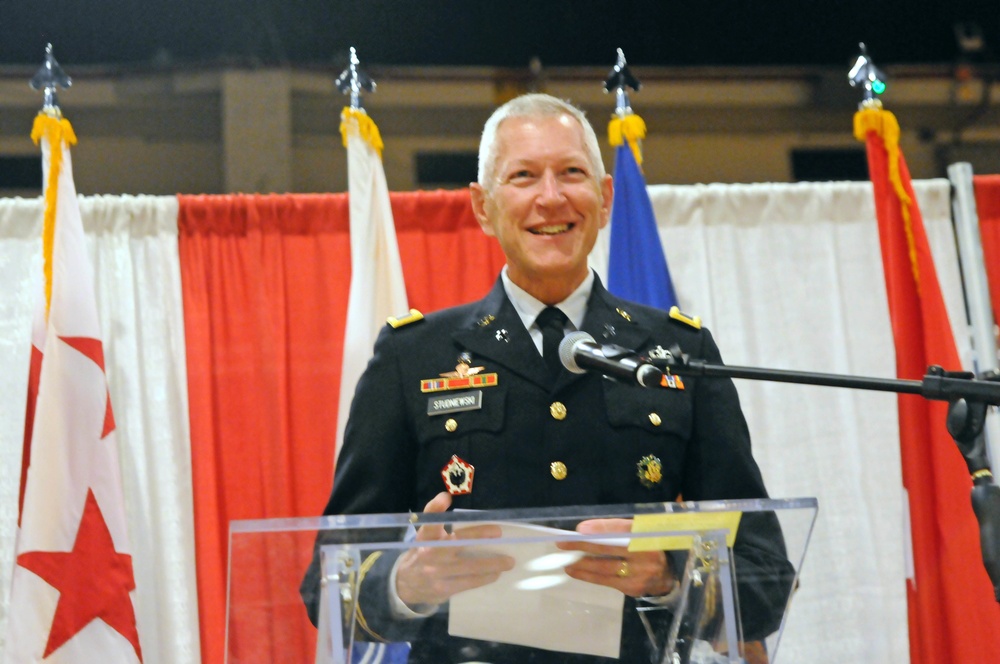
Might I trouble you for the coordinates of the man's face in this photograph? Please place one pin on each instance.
(546, 204)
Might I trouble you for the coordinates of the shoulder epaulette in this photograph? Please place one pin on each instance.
(693, 321)
(396, 322)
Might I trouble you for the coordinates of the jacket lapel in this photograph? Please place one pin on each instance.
(607, 325)
(609, 320)
(497, 333)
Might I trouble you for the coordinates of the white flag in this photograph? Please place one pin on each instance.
(377, 288)
(71, 591)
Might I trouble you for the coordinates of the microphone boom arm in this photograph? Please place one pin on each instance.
(968, 396)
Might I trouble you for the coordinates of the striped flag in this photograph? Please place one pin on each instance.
(953, 616)
(637, 267)
(72, 587)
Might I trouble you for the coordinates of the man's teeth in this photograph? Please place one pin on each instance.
(551, 230)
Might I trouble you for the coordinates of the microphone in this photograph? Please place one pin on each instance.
(578, 352)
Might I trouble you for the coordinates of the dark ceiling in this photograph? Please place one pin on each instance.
(485, 32)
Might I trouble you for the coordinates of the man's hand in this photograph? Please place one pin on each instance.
(637, 574)
(431, 575)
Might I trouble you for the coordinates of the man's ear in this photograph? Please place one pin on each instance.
(608, 195)
(479, 197)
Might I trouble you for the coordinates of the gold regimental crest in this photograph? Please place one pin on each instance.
(650, 471)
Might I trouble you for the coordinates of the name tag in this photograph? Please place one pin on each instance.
(455, 402)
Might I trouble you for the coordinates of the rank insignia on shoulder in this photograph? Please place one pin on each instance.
(486, 320)
(624, 314)
(650, 471)
(693, 321)
(457, 475)
(672, 382)
(396, 322)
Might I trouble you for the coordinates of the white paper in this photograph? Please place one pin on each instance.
(536, 604)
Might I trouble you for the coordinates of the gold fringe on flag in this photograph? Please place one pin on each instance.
(366, 128)
(886, 127)
(56, 131)
(631, 128)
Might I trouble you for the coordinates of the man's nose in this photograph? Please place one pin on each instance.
(551, 189)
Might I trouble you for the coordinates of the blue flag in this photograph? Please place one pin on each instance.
(637, 268)
(380, 653)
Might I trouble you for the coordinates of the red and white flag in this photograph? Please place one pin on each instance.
(953, 616)
(72, 587)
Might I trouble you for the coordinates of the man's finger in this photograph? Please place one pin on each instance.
(437, 504)
(598, 526)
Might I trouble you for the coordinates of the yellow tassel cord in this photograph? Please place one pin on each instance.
(631, 128)
(56, 131)
(366, 128)
(884, 124)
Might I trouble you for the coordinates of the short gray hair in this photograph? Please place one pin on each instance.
(533, 106)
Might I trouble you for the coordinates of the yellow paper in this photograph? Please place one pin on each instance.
(696, 521)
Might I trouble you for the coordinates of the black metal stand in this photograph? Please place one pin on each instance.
(968, 396)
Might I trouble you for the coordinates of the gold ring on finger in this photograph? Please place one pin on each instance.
(623, 569)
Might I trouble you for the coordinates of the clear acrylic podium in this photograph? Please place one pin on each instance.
(736, 563)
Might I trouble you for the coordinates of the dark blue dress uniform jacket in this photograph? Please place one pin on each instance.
(394, 451)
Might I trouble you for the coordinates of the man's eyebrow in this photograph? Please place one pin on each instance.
(519, 162)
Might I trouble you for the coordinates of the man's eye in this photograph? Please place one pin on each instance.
(575, 173)
(520, 176)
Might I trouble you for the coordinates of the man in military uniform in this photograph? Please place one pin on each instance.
(475, 390)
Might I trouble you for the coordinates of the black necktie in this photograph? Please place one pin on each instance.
(552, 322)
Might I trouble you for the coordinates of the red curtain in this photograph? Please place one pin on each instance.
(987, 190)
(265, 283)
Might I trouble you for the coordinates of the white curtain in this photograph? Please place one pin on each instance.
(132, 242)
(785, 276)
(789, 276)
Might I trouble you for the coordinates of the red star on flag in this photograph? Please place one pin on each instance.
(93, 581)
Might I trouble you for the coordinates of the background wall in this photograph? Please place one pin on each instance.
(218, 129)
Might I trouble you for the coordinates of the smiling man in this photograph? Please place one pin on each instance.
(544, 195)
(530, 433)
